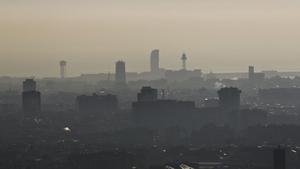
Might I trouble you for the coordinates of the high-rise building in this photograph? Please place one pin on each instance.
(31, 99)
(147, 94)
(229, 101)
(63, 69)
(120, 72)
(229, 98)
(279, 158)
(255, 77)
(154, 59)
(250, 72)
(29, 85)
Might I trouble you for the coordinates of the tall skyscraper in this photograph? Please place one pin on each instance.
(251, 72)
(279, 158)
(154, 59)
(120, 74)
(63, 69)
(31, 99)
(229, 101)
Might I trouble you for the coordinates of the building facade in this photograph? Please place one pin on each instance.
(120, 74)
(154, 61)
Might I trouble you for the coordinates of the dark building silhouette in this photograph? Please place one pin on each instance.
(151, 112)
(251, 72)
(147, 94)
(97, 105)
(253, 76)
(279, 158)
(229, 102)
(31, 99)
(229, 98)
(154, 59)
(29, 85)
(63, 69)
(183, 75)
(120, 72)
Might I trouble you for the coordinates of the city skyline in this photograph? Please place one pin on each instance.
(55, 72)
(149, 84)
(61, 72)
(92, 35)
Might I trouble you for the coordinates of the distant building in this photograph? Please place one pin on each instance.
(97, 105)
(151, 112)
(251, 72)
(270, 73)
(279, 158)
(63, 69)
(229, 102)
(31, 99)
(255, 77)
(154, 59)
(29, 85)
(148, 94)
(182, 75)
(120, 75)
(229, 98)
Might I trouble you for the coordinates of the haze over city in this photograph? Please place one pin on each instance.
(216, 35)
(149, 84)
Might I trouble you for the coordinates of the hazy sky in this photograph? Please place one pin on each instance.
(217, 35)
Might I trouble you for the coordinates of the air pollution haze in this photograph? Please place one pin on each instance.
(149, 84)
(217, 35)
